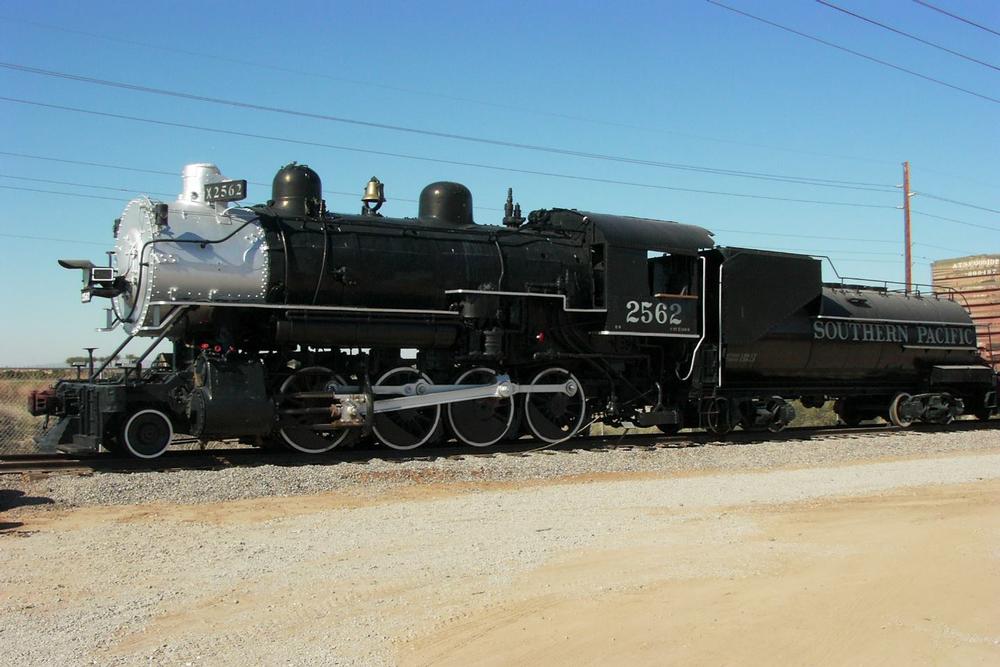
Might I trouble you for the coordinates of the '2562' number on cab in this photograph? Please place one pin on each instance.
(646, 312)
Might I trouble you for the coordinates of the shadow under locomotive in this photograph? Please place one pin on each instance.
(290, 327)
(247, 457)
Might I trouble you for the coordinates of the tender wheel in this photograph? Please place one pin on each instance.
(896, 413)
(482, 422)
(554, 417)
(719, 418)
(782, 413)
(147, 434)
(303, 420)
(405, 429)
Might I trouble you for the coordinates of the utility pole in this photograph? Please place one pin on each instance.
(906, 227)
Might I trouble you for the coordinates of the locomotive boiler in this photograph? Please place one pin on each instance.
(293, 326)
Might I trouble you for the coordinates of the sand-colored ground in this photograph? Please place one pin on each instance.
(880, 563)
(913, 577)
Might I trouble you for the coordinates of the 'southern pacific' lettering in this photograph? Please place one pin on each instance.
(883, 332)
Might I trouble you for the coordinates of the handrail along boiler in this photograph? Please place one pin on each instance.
(289, 326)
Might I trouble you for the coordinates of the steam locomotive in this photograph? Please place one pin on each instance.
(295, 327)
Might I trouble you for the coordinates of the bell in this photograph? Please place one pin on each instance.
(374, 192)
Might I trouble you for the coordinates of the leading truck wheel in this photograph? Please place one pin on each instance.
(147, 434)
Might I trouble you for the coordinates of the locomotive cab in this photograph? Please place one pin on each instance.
(659, 276)
(673, 276)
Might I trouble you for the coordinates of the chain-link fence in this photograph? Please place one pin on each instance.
(17, 427)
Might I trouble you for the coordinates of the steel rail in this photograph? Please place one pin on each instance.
(251, 456)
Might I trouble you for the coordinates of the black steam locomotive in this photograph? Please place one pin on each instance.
(295, 327)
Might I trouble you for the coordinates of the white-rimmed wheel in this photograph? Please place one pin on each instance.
(147, 434)
(896, 413)
(485, 421)
(555, 416)
(303, 418)
(405, 429)
(719, 416)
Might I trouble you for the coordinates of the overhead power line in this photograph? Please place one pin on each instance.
(716, 229)
(163, 172)
(476, 165)
(484, 208)
(783, 178)
(751, 232)
(957, 202)
(834, 252)
(856, 53)
(122, 200)
(847, 255)
(956, 221)
(55, 192)
(964, 179)
(158, 172)
(91, 164)
(538, 110)
(906, 34)
(86, 185)
(956, 16)
(170, 194)
(52, 239)
(937, 247)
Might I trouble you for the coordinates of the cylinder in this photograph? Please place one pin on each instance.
(230, 400)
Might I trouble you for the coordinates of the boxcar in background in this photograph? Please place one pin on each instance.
(975, 280)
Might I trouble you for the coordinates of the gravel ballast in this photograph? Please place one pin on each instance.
(113, 572)
(374, 477)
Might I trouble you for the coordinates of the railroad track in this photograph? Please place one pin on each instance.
(248, 456)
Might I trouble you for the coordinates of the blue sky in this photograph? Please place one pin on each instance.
(681, 82)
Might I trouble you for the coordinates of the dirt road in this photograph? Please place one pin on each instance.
(886, 562)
